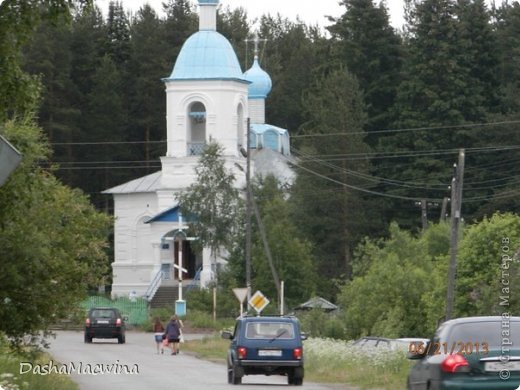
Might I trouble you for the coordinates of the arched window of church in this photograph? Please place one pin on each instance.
(240, 127)
(197, 128)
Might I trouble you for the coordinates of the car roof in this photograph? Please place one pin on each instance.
(374, 338)
(268, 318)
(480, 319)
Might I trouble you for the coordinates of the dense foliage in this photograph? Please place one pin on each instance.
(52, 240)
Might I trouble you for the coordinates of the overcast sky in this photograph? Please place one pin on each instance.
(310, 11)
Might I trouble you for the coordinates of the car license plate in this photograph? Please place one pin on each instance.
(499, 366)
(270, 352)
(102, 321)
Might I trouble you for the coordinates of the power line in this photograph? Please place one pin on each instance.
(419, 153)
(106, 143)
(406, 184)
(506, 194)
(360, 188)
(449, 127)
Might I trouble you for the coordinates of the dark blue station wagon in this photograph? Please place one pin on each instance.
(268, 345)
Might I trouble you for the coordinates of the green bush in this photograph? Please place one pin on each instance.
(202, 300)
(317, 323)
(12, 379)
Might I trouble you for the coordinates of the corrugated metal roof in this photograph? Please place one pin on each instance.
(148, 183)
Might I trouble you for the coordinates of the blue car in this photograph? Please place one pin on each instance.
(268, 345)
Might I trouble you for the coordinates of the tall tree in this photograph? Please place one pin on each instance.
(52, 241)
(180, 23)
(148, 64)
(234, 26)
(444, 88)
(18, 19)
(289, 57)
(105, 121)
(508, 42)
(118, 35)
(212, 201)
(290, 253)
(373, 52)
(479, 54)
(326, 205)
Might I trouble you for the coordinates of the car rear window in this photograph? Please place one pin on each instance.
(101, 313)
(269, 330)
(485, 332)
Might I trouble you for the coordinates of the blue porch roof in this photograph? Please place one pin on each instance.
(171, 215)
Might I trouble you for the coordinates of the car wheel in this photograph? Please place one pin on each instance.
(121, 339)
(295, 377)
(229, 374)
(236, 375)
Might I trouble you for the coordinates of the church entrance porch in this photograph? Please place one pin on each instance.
(177, 254)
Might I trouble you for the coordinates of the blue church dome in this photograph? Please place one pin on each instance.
(207, 55)
(260, 81)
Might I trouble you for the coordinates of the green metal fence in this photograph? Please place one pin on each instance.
(135, 310)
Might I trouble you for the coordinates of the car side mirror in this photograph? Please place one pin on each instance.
(226, 335)
(303, 336)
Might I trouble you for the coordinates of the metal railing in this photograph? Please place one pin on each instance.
(154, 285)
(195, 148)
(195, 282)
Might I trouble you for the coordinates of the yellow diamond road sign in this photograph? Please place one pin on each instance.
(258, 301)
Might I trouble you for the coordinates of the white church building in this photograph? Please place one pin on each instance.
(208, 97)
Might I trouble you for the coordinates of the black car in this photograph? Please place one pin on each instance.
(104, 323)
(267, 345)
(469, 353)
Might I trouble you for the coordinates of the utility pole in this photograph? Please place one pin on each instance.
(456, 206)
(267, 248)
(248, 210)
(443, 209)
(424, 215)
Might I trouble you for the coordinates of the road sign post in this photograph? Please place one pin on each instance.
(241, 294)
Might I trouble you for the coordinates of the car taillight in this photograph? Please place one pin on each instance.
(118, 322)
(455, 363)
(87, 322)
(241, 352)
(297, 353)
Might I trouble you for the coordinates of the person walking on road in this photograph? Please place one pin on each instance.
(173, 334)
(158, 330)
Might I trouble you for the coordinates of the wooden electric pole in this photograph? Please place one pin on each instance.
(248, 211)
(456, 206)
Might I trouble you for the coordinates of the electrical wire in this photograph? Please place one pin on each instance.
(449, 127)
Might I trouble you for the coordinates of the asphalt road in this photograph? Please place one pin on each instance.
(105, 364)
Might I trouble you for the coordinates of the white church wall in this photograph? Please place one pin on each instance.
(215, 95)
(257, 110)
(133, 253)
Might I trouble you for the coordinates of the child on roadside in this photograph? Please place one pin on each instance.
(158, 330)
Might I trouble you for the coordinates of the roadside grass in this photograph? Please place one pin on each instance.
(330, 361)
(11, 377)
